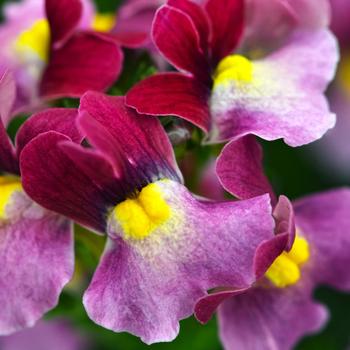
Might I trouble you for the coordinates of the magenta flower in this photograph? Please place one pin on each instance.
(280, 309)
(39, 49)
(36, 246)
(165, 247)
(229, 95)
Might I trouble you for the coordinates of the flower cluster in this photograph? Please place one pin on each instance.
(89, 155)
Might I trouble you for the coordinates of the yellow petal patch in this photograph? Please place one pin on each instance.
(104, 22)
(35, 40)
(285, 270)
(8, 186)
(233, 67)
(140, 216)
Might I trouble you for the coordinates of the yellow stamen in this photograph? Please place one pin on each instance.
(8, 186)
(285, 270)
(344, 72)
(140, 216)
(35, 40)
(104, 22)
(234, 67)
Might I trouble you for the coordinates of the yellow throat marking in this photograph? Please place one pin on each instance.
(285, 270)
(233, 67)
(35, 40)
(103, 22)
(8, 186)
(140, 216)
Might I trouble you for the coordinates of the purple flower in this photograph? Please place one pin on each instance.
(46, 335)
(36, 245)
(165, 247)
(229, 95)
(39, 48)
(279, 310)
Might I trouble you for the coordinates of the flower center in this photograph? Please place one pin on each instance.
(8, 186)
(285, 270)
(103, 22)
(233, 67)
(34, 40)
(140, 216)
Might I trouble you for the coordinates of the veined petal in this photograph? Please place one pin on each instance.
(137, 146)
(63, 17)
(7, 96)
(85, 62)
(240, 169)
(62, 120)
(277, 318)
(145, 286)
(227, 19)
(8, 159)
(199, 18)
(177, 38)
(283, 98)
(36, 255)
(324, 221)
(172, 94)
(52, 179)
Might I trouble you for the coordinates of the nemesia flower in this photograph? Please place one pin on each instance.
(134, 20)
(36, 245)
(165, 248)
(229, 95)
(46, 335)
(279, 309)
(39, 49)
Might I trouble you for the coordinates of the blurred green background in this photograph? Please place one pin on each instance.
(293, 171)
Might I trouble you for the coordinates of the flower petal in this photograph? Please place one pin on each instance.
(227, 19)
(36, 254)
(7, 96)
(62, 120)
(177, 38)
(146, 286)
(137, 146)
(265, 32)
(63, 17)
(325, 222)
(277, 318)
(172, 94)
(55, 181)
(240, 169)
(8, 159)
(198, 17)
(283, 100)
(85, 62)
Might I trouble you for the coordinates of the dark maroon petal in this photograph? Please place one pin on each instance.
(129, 39)
(63, 17)
(8, 159)
(206, 306)
(227, 20)
(137, 146)
(324, 220)
(54, 181)
(175, 35)
(85, 62)
(62, 120)
(239, 168)
(284, 216)
(199, 18)
(172, 94)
